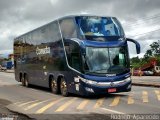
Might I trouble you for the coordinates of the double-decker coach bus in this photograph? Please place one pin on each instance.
(82, 54)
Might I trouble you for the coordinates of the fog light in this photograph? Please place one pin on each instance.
(89, 90)
(129, 86)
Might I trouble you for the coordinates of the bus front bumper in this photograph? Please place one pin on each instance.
(105, 87)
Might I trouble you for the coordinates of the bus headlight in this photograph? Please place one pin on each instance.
(128, 79)
(91, 82)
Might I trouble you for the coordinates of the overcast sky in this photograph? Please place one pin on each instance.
(136, 16)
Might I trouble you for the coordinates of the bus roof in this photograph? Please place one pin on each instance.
(60, 18)
(76, 15)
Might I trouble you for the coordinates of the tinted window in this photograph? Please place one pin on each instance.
(73, 55)
(46, 34)
(99, 26)
(106, 60)
(68, 28)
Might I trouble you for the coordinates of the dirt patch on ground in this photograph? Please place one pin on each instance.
(6, 113)
(4, 102)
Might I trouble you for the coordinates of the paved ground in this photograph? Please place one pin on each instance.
(39, 103)
(152, 81)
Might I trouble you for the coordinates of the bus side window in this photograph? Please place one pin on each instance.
(73, 55)
(68, 28)
(75, 63)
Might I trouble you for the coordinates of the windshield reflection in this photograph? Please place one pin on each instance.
(106, 60)
(99, 26)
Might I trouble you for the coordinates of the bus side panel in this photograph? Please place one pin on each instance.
(17, 58)
(74, 62)
(40, 53)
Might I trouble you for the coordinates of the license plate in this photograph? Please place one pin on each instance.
(112, 90)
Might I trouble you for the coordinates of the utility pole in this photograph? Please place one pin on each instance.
(159, 46)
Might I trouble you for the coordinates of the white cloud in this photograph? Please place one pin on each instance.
(20, 16)
(144, 47)
(54, 1)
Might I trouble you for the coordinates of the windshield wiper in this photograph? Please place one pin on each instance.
(96, 71)
(101, 70)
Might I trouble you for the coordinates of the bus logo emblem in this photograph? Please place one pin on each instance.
(43, 51)
(110, 75)
(112, 84)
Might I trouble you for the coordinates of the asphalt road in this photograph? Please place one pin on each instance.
(40, 103)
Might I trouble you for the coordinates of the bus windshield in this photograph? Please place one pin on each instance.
(106, 60)
(99, 26)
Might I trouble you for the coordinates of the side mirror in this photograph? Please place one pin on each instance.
(138, 48)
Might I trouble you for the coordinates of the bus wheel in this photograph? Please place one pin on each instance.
(54, 87)
(23, 82)
(63, 88)
(26, 81)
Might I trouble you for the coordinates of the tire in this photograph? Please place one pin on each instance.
(54, 86)
(63, 88)
(26, 81)
(23, 82)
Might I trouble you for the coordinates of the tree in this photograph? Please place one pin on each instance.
(155, 48)
(135, 62)
(148, 54)
(152, 52)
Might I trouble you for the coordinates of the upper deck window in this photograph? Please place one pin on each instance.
(68, 28)
(99, 26)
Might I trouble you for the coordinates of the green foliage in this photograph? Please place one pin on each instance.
(138, 62)
(153, 52)
(158, 59)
